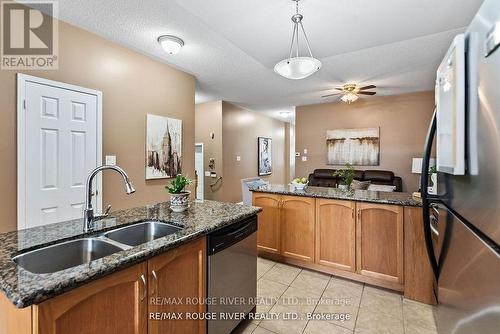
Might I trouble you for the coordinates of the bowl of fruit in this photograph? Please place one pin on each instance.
(300, 183)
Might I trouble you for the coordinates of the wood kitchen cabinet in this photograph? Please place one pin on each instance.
(379, 242)
(117, 303)
(268, 233)
(297, 227)
(122, 302)
(179, 273)
(336, 234)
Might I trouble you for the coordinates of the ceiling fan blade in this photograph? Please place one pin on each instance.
(367, 87)
(331, 95)
(366, 93)
(339, 88)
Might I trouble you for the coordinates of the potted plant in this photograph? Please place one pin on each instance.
(346, 176)
(179, 198)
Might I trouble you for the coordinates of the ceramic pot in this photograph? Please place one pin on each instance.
(179, 202)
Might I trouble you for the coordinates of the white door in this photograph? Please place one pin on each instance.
(198, 164)
(59, 143)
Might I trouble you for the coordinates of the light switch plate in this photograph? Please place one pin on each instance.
(111, 160)
(207, 173)
(305, 151)
(238, 158)
(213, 174)
(304, 158)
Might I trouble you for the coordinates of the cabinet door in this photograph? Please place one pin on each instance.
(336, 234)
(177, 280)
(114, 304)
(297, 228)
(379, 231)
(268, 233)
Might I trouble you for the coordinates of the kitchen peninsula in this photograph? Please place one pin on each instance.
(368, 236)
(118, 285)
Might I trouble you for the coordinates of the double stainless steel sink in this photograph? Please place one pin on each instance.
(140, 233)
(80, 251)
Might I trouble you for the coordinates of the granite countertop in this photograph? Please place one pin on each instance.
(382, 197)
(24, 288)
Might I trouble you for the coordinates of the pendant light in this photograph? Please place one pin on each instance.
(297, 67)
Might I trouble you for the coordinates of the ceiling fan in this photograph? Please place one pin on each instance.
(350, 92)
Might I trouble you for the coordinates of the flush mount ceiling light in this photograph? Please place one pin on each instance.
(284, 114)
(171, 44)
(297, 67)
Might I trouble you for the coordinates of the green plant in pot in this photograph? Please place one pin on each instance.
(179, 197)
(346, 176)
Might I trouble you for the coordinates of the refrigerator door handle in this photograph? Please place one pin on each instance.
(426, 198)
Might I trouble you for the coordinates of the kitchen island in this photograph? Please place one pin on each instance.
(368, 236)
(171, 266)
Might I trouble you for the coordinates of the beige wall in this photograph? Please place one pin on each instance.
(289, 152)
(240, 129)
(208, 119)
(132, 85)
(403, 122)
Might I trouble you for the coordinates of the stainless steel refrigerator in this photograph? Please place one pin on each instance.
(462, 220)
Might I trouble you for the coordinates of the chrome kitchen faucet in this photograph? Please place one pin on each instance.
(88, 213)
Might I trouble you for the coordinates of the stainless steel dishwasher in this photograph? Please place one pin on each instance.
(232, 274)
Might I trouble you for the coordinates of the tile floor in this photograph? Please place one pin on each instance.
(339, 306)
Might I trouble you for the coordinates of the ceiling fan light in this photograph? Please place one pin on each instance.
(297, 67)
(171, 44)
(349, 97)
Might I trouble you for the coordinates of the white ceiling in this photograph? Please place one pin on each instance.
(232, 45)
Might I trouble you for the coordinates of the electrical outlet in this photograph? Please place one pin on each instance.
(111, 160)
(304, 158)
(305, 151)
(207, 173)
(238, 158)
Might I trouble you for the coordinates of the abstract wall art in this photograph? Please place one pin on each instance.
(354, 146)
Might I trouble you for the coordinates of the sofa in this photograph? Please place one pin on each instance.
(325, 178)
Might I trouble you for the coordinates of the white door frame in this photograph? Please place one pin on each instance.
(22, 79)
(203, 171)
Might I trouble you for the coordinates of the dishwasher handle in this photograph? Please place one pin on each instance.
(226, 237)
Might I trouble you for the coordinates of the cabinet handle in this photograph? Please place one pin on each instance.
(352, 213)
(143, 279)
(155, 285)
(359, 214)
